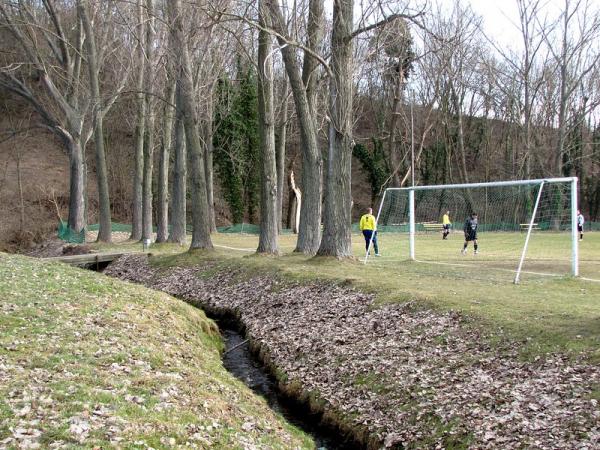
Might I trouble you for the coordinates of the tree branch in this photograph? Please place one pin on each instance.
(383, 22)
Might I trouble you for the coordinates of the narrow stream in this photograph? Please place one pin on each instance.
(241, 363)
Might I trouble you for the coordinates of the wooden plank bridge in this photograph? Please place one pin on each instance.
(90, 259)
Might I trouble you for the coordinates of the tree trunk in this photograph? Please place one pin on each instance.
(77, 187)
(395, 161)
(309, 234)
(21, 200)
(267, 241)
(162, 214)
(280, 141)
(201, 226)
(338, 203)
(136, 213)
(104, 213)
(208, 161)
(178, 198)
(147, 231)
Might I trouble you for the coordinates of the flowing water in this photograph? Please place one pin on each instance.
(242, 364)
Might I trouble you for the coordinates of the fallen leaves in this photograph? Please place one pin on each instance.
(413, 377)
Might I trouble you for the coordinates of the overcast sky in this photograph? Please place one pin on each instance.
(501, 18)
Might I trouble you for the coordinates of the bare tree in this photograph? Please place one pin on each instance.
(303, 86)
(162, 214)
(338, 201)
(576, 58)
(178, 197)
(338, 198)
(64, 112)
(149, 74)
(201, 225)
(100, 108)
(267, 242)
(280, 143)
(136, 215)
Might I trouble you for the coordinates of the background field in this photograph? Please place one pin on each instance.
(548, 253)
(548, 313)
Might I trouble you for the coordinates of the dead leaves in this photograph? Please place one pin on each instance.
(415, 378)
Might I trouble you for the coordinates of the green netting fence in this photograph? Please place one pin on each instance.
(68, 235)
(115, 227)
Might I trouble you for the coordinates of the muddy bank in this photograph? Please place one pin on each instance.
(395, 376)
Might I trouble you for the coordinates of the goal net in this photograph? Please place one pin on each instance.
(522, 226)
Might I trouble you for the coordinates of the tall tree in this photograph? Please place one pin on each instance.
(280, 143)
(200, 221)
(338, 202)
(576, 58)
(162, 213)
(98, 111)
(303, 86)
(148, 151)
(267, 242)
(136, 213)
(178, 197)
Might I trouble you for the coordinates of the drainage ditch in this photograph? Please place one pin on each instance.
(240, 362)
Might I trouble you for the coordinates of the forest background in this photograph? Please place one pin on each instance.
(101, 99)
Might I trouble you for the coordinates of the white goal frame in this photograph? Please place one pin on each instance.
(538, 182)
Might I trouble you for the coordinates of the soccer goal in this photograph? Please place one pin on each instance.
(527, 223)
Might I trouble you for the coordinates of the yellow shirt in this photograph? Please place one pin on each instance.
(446, 220)
(367, 222)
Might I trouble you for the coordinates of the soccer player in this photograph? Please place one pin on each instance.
(369, 230)
(580, 222)
(470, 230)
(446, 224)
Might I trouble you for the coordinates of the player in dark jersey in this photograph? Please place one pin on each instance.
(470, 230)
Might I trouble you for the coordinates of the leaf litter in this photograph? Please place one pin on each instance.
(414, 378)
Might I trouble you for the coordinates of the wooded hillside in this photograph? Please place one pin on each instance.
(295, 115)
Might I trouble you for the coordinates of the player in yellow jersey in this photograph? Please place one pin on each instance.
(369, 230)
(446, 224)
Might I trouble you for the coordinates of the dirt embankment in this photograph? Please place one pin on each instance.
(397, 376)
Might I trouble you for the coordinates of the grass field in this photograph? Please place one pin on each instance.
(548, 313)
(548, 253)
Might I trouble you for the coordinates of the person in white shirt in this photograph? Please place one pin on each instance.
(580, 222)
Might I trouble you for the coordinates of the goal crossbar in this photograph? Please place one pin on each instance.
(572, 181)
(486, 184)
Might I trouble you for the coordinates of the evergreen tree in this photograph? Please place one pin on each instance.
(236, 144)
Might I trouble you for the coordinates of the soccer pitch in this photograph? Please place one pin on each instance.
(548, 253)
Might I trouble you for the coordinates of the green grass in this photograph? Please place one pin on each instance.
(546, 313)
(135, 366)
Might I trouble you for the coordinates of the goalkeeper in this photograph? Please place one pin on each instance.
(470, 230)
(446, 224)
(369, 230)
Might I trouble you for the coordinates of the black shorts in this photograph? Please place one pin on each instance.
(580, 228)
(470, 237)
(446, 227)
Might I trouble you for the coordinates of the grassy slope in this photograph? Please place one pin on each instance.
(550, 313)
(88, 360)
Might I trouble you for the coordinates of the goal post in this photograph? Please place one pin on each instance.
(511, 215)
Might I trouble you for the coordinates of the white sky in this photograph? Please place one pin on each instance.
(501, 18)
